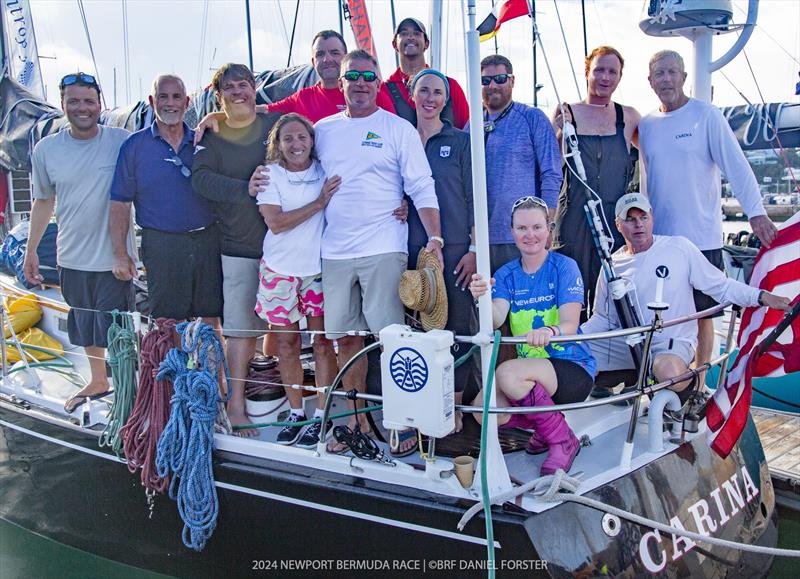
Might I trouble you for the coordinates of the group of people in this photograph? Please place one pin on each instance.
(314, 206)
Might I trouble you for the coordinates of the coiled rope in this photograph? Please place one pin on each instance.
(122, 357)
(151, 409)
(185, 446)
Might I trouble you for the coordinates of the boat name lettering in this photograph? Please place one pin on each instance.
(708, 517)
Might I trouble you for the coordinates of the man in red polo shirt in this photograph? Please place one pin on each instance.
(410, 42)
(324, 98)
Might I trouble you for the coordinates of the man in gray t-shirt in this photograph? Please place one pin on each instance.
(76, 166)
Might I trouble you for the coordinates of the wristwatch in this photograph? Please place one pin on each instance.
(473, 249)
(437, 238)
(761, 296)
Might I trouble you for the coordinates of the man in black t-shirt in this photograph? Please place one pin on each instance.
(223, 164)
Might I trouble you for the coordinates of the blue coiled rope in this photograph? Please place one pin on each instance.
(185, 446)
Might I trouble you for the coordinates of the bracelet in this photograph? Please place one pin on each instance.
(437, 238)
(761, 295)
(552, 330)
(473, 249)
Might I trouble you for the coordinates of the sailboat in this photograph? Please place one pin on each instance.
(285, 509)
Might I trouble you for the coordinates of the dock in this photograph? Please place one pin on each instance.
(780, 437)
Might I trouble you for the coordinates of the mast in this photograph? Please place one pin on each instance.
(436, 35)
(249, 33)
(496, 470)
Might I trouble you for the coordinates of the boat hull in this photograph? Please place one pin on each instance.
(282, 518)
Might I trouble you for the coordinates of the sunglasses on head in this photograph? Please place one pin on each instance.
(79, 77)
(529, 199)
(497, 78)
(367, 75)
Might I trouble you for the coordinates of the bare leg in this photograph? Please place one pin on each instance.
(705, 343)
(356, 377)
(324, 357)
(98, 381)
(289, 363)
(515, 378)
(665, 366)
(239, 352)
(459, 417)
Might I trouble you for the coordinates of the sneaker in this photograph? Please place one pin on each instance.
(290, 433)
(310, 437)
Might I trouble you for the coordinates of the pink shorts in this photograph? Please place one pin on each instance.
(521, 420)
(282, 300)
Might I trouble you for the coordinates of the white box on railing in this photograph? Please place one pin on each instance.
(417, 378)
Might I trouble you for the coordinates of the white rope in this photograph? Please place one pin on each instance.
(547, 489)
(566, 47)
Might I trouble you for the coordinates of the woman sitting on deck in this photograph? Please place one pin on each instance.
(541, 293)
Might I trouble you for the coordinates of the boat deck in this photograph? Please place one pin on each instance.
(780, 436)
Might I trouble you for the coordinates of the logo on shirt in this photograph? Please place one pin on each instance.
(682, 136)
(662, 271)
(444, 151)
(372, 140)
(198, 148)
(578, 287)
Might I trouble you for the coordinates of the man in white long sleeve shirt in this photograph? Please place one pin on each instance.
(685, 145)
(379, 156)
(644, 258)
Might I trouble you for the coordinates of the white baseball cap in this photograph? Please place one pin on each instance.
(629, 201)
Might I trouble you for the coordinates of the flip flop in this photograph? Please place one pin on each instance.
(403, 436)
(80, 399)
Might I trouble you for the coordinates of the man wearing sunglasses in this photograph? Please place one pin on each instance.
(522, 156)
(223, 164)
(379, 156)
(76, 166)
(180, 243)
(410, 42)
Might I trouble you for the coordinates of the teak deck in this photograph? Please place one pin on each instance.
(780, 437)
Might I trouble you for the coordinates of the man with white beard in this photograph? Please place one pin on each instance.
(180, 239)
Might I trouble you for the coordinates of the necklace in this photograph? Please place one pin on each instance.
(304, 177)
(604, 106)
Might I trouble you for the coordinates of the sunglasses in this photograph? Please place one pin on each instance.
(176, 160)
(529, 199)
(81, 77)
(497, 78)
(354, 75)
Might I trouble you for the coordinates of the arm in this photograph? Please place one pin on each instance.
(213, 185)
(568, 318)
(709, 280)
(728, 156)
(279, 221)
(41, 212)
(432, 224)
(548, 160)
(119, 219)
(500, 306)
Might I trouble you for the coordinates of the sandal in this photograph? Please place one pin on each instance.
(398, 439)
(71, 404)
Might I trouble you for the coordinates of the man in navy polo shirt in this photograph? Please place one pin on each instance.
(180, 240)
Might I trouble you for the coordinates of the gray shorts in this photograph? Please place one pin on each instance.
(615, 354)
(239, 288)
(361, 293)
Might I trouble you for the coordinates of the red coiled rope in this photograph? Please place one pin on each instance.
(151, 409)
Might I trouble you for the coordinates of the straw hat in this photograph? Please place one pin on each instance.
(423, 290)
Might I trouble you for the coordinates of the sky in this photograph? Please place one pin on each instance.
(191, 38)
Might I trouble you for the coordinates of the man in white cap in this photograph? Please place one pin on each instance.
(643, 261)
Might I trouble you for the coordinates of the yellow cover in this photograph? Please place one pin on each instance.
(23, 312)
(35, 337)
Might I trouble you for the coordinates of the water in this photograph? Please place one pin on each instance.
(24, 555)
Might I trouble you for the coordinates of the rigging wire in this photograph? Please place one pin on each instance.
(566, 46)
(126, 50)
(91, 49)
(202, 49)
(772, 38)
(294, 29)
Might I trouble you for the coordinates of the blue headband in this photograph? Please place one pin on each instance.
(436, 73)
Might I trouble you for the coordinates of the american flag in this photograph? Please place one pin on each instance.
(776, 270)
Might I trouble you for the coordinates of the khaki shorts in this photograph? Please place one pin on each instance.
(361, 293)
(239, 288)
(615, 354)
